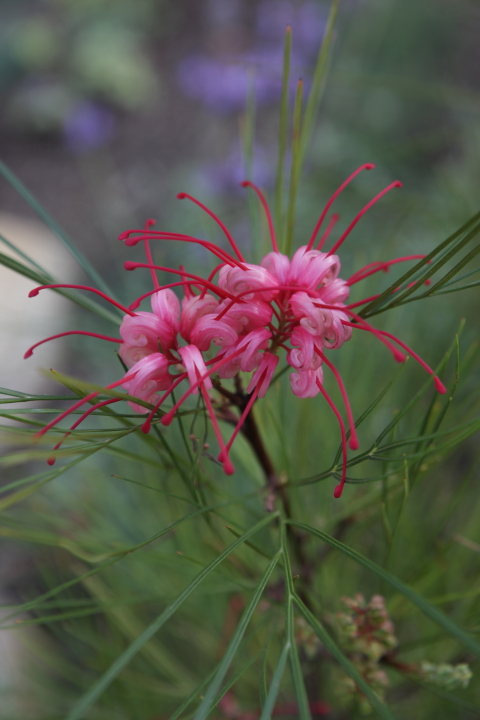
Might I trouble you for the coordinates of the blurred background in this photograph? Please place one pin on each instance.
(111, 107)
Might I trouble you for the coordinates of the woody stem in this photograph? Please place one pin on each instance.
(251, 431)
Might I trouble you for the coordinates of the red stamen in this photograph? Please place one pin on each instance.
(30, 350)
(236, 298)
(398, 356)
(243, 416)
(186, 287)
(35, 291)
(182, 196)
(51, 460)
(363, 302)
(366, 166)
(354, 444)
(148, 224)
(130, 265)
(179, 237)
(377, 267)
(136, 303)
(210, 278)
(81, 402)
(362, 212)
(333, 221)
(438, 383)
(228, 468)
(168, 417)
(247, 183)
(339, 489)
(148, 422)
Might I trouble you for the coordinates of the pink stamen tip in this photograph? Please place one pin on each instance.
(71, 286)
(149, 223)
(30, 350)
(129, 265)
(228, 468)
(353, 443)
(51, 460)
(167, 419)
(440, 387)
(398, 356)
(337, 493)
(146, 426)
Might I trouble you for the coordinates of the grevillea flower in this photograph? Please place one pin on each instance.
(242, 322)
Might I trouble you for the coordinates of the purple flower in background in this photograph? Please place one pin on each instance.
(226, 176)
(88, 126)
(222, 84)
(308, 21)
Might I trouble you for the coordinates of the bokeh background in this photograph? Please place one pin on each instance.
(109, 108)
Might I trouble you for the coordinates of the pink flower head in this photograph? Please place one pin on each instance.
(241, 324)
(151, 376)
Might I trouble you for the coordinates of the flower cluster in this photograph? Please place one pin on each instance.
(367, 634)
(240, 319)
(365, 628)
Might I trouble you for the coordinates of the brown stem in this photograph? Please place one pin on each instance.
(275, 488)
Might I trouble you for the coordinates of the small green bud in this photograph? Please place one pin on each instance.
(448, 676)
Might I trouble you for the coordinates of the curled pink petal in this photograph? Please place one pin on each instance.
(277, 265)
(335, 292)
(263, 374)
(210, 330)
(150, 377)
(312, 268)
(195, 366)
(193, 308)
(245, 316)
(146, 330)
(304, 382)
(235, 280)
(314, 319)
(303, 355)
(166, 306)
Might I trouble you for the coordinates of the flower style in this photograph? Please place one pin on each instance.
(240, 323)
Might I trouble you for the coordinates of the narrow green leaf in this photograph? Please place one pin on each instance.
(431, 612)
(23, 255)
(234, 643)
(332, 647)
(318, 82)
(53, 225)
(459, 239)
(295, 168)
(275, 684)
(46, 279)
(233, 680)
(282, 135)
(100, 686)
(295, 667)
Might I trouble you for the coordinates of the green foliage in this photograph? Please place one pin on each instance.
(143, 604)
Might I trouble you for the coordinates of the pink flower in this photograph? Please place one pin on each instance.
(241, 323)
(150, 377)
